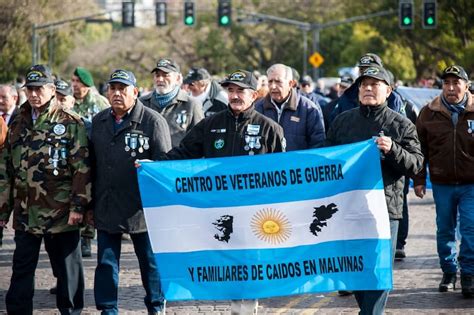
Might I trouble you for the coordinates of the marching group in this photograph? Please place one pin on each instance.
(68, 162)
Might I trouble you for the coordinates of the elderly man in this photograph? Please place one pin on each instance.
(8, 111)
(120, 135)
(88, 101)
(301, 119)
(48, 159)
(206, 91)
(349, 99)
(401, 154)
(64, 95)
(180, 111)
(239, 130)
(446, 130)
(8, 100)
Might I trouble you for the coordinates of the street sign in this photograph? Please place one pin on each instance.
(316, 60)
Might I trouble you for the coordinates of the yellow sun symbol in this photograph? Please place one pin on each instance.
(271, 226)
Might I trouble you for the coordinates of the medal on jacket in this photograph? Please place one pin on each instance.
(252, 139)
(182, 119)
(136, 141)
(470, 126)
(54, 159)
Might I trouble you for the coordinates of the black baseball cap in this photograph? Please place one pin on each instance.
(166, 65)
(38, 75)
(123, 76)
(241, 78)
(457, 71)
(370, 59)
(378, 73)
(63, 88)
(196, 74)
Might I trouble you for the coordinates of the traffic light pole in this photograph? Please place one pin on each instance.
(36, 52)
(316, 28)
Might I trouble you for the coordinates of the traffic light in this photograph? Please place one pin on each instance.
(161, 13)
(128, 14)
(189, 13)
(405, 14)
(429, 14)
(224, 13)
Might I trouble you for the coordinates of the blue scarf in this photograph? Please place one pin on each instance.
(165, 99)
(455, 109)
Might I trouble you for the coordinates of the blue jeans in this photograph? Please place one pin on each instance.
(451, 200)
(373, 302)
(106, 280)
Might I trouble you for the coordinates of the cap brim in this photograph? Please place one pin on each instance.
(245, 86)
(453, 75)
(373, 77)
(121, 81)
(36, 84)
(65, 93)
(163, 69)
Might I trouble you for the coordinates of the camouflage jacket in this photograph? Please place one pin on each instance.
(90, 105)
(47, 167)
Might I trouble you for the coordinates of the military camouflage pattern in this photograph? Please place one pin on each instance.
(48, 163)
(90, 105)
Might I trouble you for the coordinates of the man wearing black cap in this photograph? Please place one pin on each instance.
(48, 159)
(206, 91)
(400, 150)
(349, 99)
(446, 130)
(64, 94)
(239, 130)
(180, 111)
(88, 101)
(120, 135)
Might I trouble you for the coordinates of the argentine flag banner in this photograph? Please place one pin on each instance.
(269, 225)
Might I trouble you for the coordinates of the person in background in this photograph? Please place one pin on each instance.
(301, 119)
(206, 91)
(88, 102)
(180, 110)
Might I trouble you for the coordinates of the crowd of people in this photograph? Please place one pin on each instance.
(68, 162)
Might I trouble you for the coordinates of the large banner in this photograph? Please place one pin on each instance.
(269, 225)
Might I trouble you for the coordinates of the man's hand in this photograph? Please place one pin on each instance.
(74, 218)
(384, 144)
(138, 162)
(420, 190)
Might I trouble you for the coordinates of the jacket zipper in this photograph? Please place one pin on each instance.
(454, 149)
(235, 136)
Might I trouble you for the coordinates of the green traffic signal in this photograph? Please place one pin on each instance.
(430, 21)
(189, 20)
(406, 21)
(225, 20)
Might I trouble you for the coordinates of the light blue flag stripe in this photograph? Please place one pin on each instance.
(250, 274)
(159, 181)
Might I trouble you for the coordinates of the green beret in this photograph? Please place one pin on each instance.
(85, 76)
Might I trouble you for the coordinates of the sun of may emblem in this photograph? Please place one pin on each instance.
(271, 226)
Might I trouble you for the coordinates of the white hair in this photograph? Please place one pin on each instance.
(279, 66)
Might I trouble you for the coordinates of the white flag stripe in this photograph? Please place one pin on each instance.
(361, 214)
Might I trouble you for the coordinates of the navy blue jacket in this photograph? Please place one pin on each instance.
(301, 119)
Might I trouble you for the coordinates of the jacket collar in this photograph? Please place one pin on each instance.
(242, 116)
(133, 118)
(292, 103)
(437, 106)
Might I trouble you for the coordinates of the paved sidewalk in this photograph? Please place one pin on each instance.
(415, 291)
